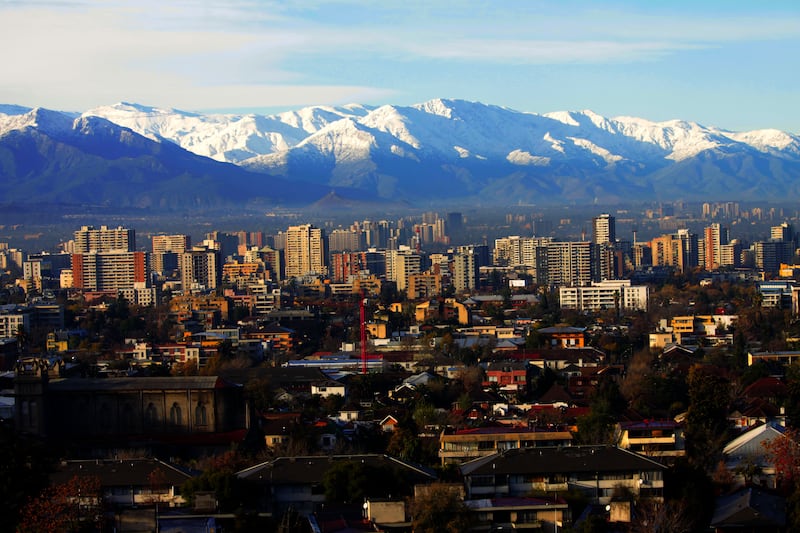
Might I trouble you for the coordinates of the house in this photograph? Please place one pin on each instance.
(506, 514)
(328, 388)
(298, 481)
(662, 439)
(746, 456)
(279, 338)
(510, 377)
(599, 472)
(129, 482)
(749, 509)
(388, 424)
(463, 445)
(564, 336)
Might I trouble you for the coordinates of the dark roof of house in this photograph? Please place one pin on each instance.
(766, 387)
(122, 472)
(311, 469)
(556, 393)
(749, 507)
(561, 460)
(138, 384)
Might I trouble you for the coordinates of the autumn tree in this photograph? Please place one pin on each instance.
(72, 506)
(784, 453)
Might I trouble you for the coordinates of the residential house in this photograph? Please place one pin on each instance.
(129, 482)
(600, 472)
(298, 481)
(660, 439)
(747, 458)
(564, 336)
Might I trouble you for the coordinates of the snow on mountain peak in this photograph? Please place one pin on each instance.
(429, 129)
(40, 118)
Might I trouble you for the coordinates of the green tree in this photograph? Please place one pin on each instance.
(706, 418)
(605, 406)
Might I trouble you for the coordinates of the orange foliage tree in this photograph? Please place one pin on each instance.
(75, 505)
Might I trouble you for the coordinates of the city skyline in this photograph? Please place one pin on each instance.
(719, 64)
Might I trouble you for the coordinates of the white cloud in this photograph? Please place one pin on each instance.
(201, 54)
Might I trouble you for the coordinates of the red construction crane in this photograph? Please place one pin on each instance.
(363, 309)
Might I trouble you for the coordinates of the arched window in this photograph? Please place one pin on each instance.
(175, 415)
(151, 415)
(200, 418)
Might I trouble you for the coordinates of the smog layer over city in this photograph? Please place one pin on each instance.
(336, 266)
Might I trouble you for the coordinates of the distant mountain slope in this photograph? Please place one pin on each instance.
(423, 154)
(47, 156)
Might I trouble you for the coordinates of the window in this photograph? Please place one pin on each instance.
(200, 414)
(151, 415)
(175, 415)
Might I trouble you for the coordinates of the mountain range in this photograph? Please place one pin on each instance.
(438, 151)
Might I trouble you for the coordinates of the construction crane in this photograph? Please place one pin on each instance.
(363, 313)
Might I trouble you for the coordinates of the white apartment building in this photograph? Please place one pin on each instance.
(306, 251)
(609, 294)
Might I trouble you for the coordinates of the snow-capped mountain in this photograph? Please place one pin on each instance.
(53, 157)
(469, 150)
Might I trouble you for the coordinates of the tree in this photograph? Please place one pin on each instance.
(70, 507)
(706, 418)
(352, 481)
(784, 453)
(605, 406)
(23, 472)
(439, 508)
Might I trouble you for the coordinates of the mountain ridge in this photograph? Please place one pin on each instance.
(471, 151)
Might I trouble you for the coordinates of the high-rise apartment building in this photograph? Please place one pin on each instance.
(572, 263)
(306, 251)
(716, 236)
(201, 269)
(125, 272)
(400, 264)
(678, 250)
(604, 229)
(168, 248)
(104, 239)
(346, 240)
(465, 270)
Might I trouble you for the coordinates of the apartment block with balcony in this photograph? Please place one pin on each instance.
(662, 439)
(597, 471)
(467, 444)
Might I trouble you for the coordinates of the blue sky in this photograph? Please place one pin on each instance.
(728, 64)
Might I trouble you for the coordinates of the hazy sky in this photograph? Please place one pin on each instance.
(730, 64)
